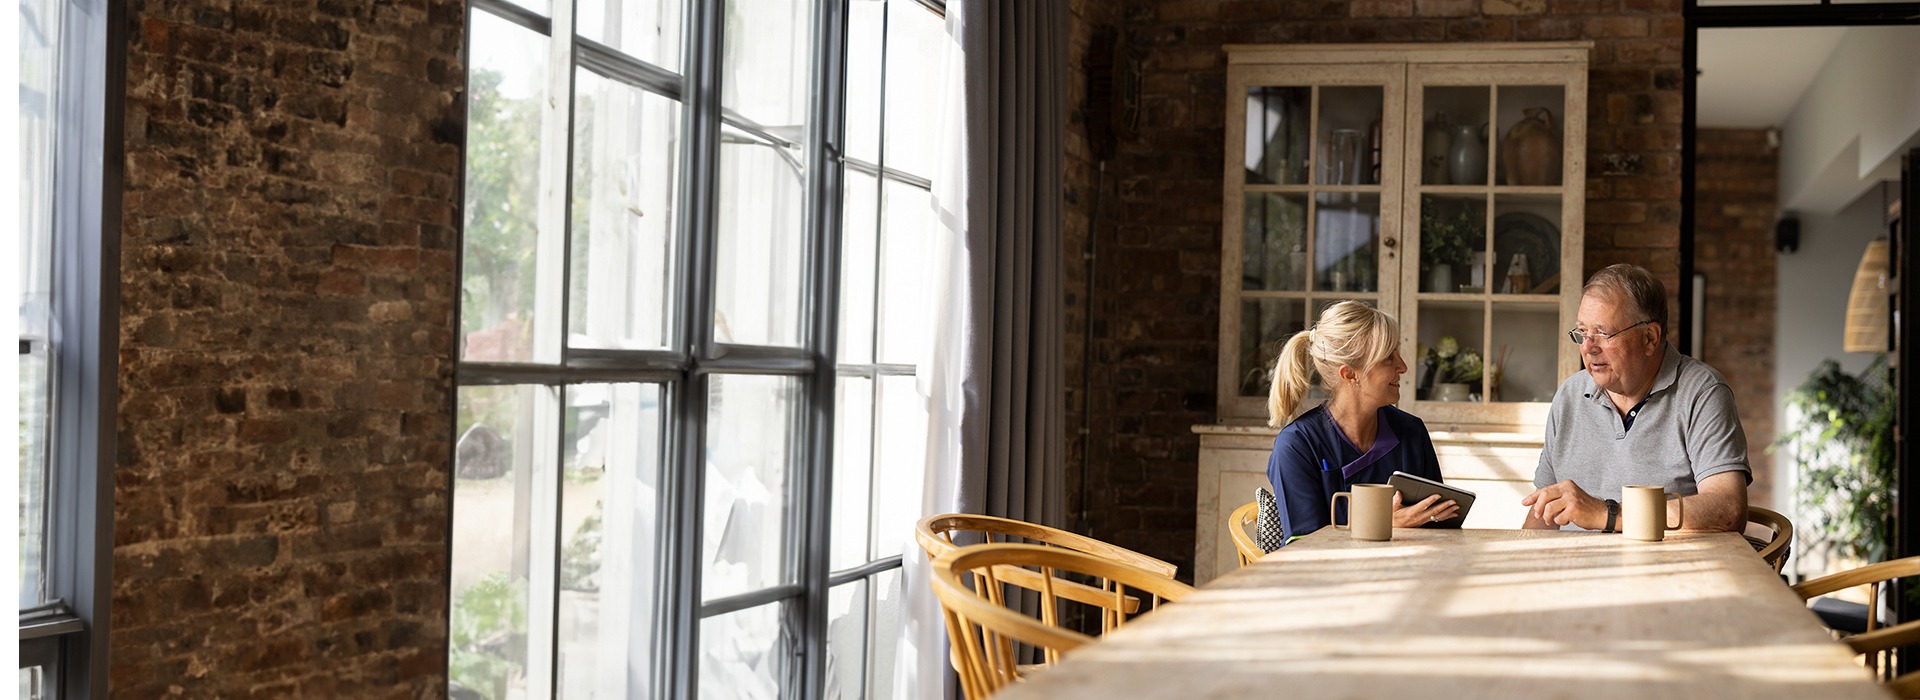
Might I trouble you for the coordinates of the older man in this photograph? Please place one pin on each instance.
(1641, 413)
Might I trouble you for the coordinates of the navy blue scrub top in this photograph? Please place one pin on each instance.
(1312, 460)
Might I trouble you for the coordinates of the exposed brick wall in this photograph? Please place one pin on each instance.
(1153, 333)
(288, 281)
(1736, 200)
(1085, 191)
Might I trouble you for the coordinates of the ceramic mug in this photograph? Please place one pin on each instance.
(1643, 512)
(1369, 511)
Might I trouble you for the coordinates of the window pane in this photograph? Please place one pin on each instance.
(766, 64)
(34, 423)
(750, 444)
(608, 522)
(906, 276)
(645, 29)
(852, 472)
(847, 640)
(492, 501)
(864, 35)
(916, 41)
(761, 245)
(39, 74)
(744, 654)
(39, 65)
(506, 92)
(900, 466)
(858, 249)
(887, 598)
(624, 172)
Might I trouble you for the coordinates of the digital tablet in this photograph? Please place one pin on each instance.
(1414, 489)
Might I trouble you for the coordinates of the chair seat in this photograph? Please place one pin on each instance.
(1841, 615)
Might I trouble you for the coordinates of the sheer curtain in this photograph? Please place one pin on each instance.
(993, 376)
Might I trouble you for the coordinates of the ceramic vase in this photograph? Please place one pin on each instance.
(1440, 278)
(1467, 155)
(1451, 391)
(1530, 153)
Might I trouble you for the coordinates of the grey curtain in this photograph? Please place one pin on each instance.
(995, 401)
(1012, 421)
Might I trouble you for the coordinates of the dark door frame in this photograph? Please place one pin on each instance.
(1906, 264)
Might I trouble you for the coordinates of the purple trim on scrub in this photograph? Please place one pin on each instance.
(1383, 443)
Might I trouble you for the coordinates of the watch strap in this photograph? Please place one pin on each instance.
(1613, 514)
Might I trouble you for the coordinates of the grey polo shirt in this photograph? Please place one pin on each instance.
(1688, 430)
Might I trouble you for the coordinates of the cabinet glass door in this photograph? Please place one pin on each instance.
(1310, 203)
(1488, 313)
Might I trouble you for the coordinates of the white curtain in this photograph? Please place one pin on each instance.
(992, 378)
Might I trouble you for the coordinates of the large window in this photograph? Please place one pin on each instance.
(690, 447)
(64, 293)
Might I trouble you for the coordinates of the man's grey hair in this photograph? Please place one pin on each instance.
(1634, 285)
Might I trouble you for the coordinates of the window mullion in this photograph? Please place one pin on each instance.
(550, 255)
(683, 481)
(549, 340)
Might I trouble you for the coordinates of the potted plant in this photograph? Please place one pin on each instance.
(1452, 370)
(1445, 241)
(1843, 441)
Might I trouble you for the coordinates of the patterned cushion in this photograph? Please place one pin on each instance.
(1266, 531)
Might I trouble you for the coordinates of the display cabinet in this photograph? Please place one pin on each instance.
(1443, 183)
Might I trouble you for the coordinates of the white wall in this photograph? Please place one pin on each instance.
(1848, 131)
(1812, 307)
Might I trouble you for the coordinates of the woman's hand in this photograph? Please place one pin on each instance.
(1429, 510)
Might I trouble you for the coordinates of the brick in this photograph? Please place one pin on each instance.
(1513, 7)
(241, 318)
(1158, 227)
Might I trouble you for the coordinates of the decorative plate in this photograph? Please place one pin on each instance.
(1538, 238)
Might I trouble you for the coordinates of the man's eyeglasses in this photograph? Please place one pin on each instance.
(1580, 337)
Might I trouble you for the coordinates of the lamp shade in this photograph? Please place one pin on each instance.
(1867, 304)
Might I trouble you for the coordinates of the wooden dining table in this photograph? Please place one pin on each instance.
(1534, 614)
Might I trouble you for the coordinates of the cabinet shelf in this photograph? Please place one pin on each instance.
(1465, 299)
(1546, 193)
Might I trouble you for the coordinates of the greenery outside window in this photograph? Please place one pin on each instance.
(689, 444)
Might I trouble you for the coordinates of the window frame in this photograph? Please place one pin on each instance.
(693, 355)
(69, 633)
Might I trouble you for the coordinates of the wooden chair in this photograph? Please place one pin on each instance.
(1774, 550)
(936, 536)
(1870, 576)
(971, 584)
(1240, 526)
(1881, 640)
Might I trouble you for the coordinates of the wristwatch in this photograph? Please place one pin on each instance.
(1613, 515)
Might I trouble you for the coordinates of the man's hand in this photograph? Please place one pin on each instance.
(1429, 510)
(1562, 503)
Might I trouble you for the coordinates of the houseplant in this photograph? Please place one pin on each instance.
(1452, 370)
(1840, 431)
(1445, 241)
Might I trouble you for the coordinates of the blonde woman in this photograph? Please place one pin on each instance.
(1356, 436)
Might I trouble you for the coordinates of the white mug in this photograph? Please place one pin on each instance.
(1643, 512)
(1369, 511)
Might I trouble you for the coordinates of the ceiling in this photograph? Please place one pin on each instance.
(1752, 78)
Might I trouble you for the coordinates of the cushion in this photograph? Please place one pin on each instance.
(1266, 531)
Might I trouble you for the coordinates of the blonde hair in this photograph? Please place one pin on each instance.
(1349, 334)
